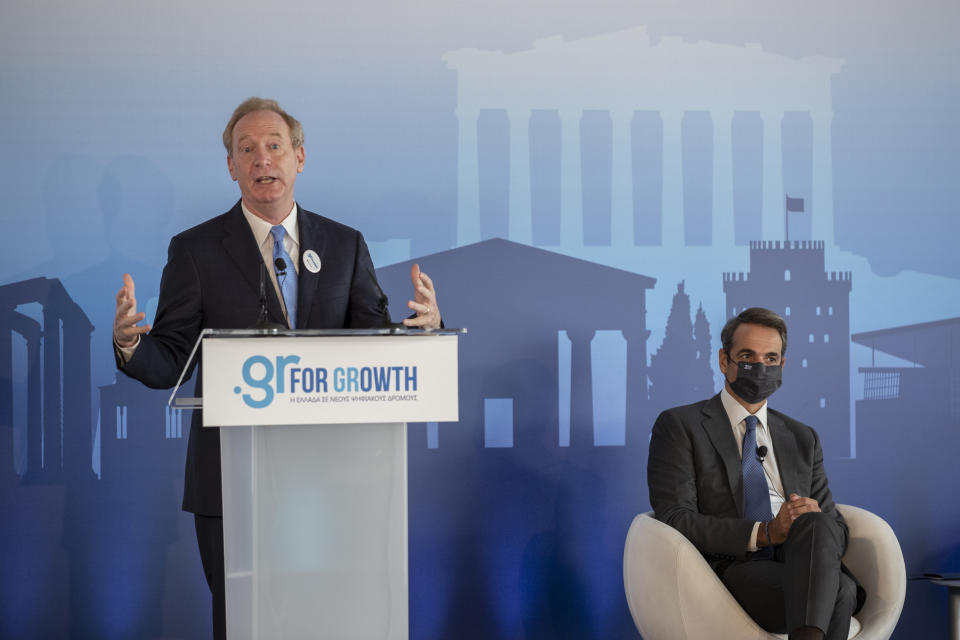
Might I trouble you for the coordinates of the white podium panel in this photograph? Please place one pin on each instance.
(315, 489)
(315, 531)
(309, 380)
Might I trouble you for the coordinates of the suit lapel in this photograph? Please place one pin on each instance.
(718, 429)
(311, 238)
(241, 246)
(785, 448)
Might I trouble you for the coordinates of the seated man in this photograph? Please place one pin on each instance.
(784, 570)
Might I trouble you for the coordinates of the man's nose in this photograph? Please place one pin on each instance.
(261, 157)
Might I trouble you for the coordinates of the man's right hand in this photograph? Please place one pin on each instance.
(126, 333)
(790, 510)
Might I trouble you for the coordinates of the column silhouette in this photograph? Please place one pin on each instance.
(672, 224)
(773, 197)
(821, 205)
(723, 221)
(581, 388)
(520, 224)
(621, 197)
(468, 178)
(571, 179)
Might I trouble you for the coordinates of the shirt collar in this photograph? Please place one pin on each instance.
(261, 228)
(736, 413)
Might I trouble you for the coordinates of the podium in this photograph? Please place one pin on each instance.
(313, 445)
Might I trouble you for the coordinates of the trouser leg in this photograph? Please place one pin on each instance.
(843, 610)
(210, 540)
(758, 587)
(803, 586)
(816, 591)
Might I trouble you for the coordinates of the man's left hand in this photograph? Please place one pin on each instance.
(797, 506)
(790, 510)
(424, 301)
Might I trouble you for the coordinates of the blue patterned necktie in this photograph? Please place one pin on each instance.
(756, 493)
(287, 279)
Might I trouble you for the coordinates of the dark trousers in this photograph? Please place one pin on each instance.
(210, 540)
(803, 585)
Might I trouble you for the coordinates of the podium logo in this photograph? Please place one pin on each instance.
(266, 378)
(259, 373)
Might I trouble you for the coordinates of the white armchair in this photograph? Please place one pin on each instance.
(673, 594)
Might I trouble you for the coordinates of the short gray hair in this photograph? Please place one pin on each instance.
(262, 104)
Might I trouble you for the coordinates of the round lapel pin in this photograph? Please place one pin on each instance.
(311, 261)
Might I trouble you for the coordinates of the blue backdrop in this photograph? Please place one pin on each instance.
(594, 187)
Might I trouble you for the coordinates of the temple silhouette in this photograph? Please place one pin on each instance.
(49, 399)
(109, 550)
(514, 545)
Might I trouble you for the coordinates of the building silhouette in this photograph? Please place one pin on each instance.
(790, 278)
(908, 423)
(911, 393)
(45, 451)
(615, 73)
(106, 550)
(552, 372)
(56, 396)
(681, 369)
(137, 549)
(551, 316)
(703, 384)
(593, 163)
(926, 379)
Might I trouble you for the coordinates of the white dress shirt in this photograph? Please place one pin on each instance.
(291, 242)
(737, 415)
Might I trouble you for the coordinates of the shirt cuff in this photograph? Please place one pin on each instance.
(125, 353)
(752, 546)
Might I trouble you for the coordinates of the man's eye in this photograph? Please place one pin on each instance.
(275, 146)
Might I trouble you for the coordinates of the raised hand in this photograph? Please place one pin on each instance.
(126, 332)
(424, 301)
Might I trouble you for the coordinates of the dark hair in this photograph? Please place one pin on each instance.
(754, 315)
(262, 104)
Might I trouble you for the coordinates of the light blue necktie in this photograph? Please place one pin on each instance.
(756, 493)
(286, 278)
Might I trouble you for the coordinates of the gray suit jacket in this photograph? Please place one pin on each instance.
(695, 479)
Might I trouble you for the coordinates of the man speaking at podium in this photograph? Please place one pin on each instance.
(307, 271)
(746, 485)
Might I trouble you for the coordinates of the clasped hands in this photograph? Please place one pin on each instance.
(778, 528)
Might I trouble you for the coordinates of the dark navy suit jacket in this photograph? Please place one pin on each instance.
(212, 280)
(696, 481)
